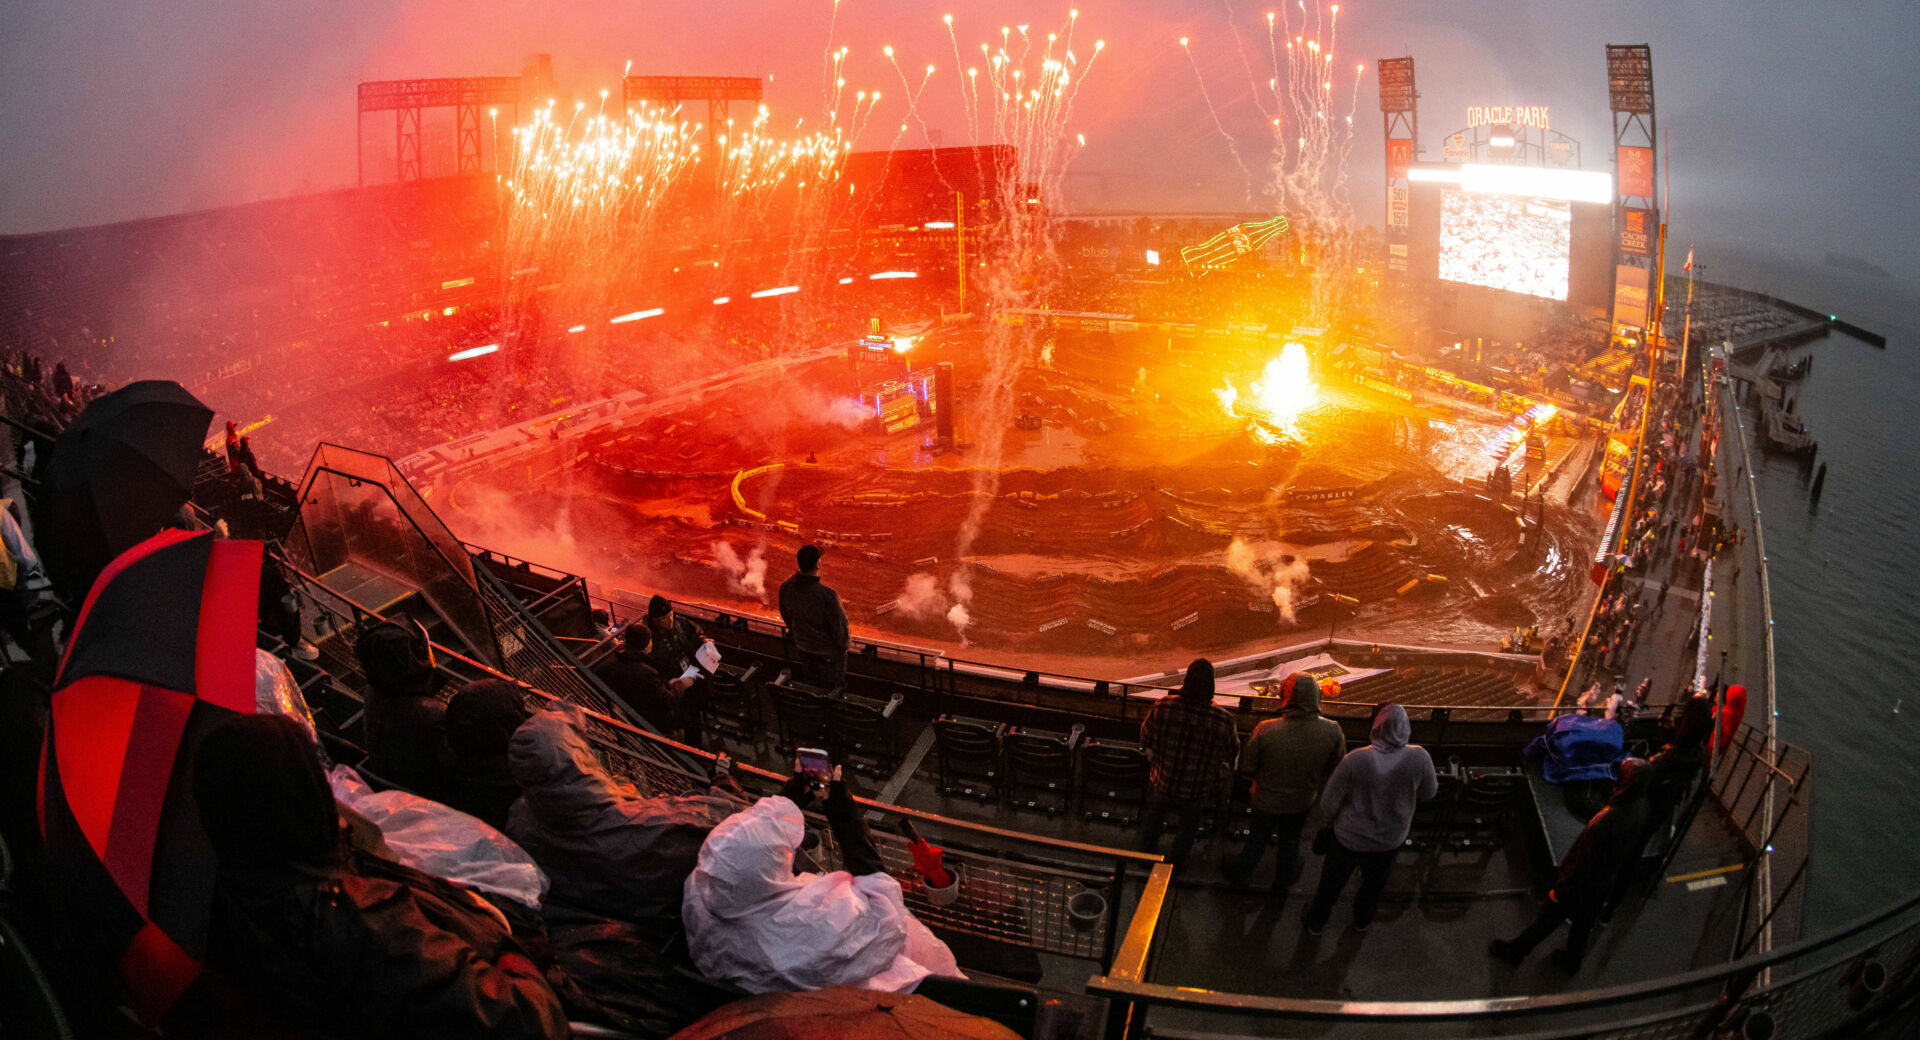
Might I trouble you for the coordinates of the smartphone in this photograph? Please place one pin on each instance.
(814, 761)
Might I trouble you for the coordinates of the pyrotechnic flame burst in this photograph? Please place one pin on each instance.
(1279, 395)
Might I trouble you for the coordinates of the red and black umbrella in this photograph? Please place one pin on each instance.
(163, 649)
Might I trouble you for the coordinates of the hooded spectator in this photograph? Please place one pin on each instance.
(406, 723)
(604, 847)
(1588, 877)
(326, 935)
(816, 622)
(1191, 745)
(754, 923)
(481, 719)
(1370, 800)
(1289, 759)
(1731, 716)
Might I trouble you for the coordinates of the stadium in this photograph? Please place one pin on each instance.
(613, 365)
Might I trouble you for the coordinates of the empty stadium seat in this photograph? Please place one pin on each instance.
(968, 752)
(1433, 817)
(1039, 770)
(805, 715)
(1112, 781)
(863, 735)
(732, 707)
(1481, 812)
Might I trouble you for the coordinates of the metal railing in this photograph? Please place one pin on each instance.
(1827, 986)
(1764, 785)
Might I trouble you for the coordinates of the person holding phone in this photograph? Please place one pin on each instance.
(753, 922)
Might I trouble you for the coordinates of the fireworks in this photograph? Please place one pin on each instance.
(1278, 396)
(577, 189)
(1312, 138)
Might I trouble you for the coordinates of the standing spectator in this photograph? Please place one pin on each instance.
(817, 623)
(1370, 798)
(1588, 876)
(1289, 759)
(1191, 745)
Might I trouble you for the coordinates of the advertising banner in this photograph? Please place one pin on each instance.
(1636, 231)
(1636, 171)
(1630, 296)
(1399, 154)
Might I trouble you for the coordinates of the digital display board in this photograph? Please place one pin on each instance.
(1516, 243)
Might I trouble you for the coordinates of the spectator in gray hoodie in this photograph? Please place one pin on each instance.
(1289, 759)
(1370, 800)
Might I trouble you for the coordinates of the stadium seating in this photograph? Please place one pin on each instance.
(968, 753)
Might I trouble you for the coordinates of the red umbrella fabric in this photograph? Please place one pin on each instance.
(842, 1013)
(162, 650)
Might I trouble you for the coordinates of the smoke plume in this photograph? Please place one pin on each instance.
(1269, 567)
(922, 598)
(961, 585)
(747, 576)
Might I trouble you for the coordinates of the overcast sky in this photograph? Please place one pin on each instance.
(1792, 124)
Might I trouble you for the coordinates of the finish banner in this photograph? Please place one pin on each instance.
(1630, 296)
(1636, 172)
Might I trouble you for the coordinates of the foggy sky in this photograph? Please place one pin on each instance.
(1791, 125)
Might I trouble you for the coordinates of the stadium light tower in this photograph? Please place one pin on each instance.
(1636, 293)
(1400, 120)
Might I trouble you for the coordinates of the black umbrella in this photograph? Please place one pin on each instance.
(120, 473)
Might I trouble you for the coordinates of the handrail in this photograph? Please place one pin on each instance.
(1057, 844)
(1442, 1010)
(1130, 963)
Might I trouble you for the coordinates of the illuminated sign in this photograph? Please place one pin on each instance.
(1636, 231)
(1508, 115)
(1636, 171)
(1233, 243)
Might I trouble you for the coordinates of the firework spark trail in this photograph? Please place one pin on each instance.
(913, 96)
(829, 92)
(969, 97)
(1310, 150)
(1233, 147)
(1029, 107)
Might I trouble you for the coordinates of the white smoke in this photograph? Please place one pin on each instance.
(960, 584)
(922, 598)
(1271, 568)
(844, 411)
(747, 576)
(958, 617)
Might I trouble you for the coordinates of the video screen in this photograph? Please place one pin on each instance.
(1511, 242)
